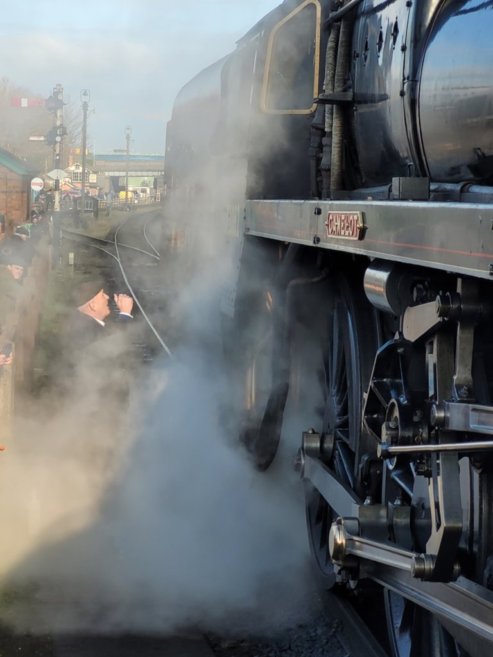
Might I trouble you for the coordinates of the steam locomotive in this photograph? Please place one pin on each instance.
(345, 152)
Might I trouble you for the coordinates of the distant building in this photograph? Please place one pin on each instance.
(144, 171)
(74, 172)
(15, 189)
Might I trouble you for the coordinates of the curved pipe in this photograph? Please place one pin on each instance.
(338, 120)
(337, 15)
(330, 72)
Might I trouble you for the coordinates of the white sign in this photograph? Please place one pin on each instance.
(37, 184)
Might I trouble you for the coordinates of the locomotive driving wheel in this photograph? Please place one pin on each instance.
(346, 338)
(413, 631)
(347, 342)
(257, 352)
(398, 383)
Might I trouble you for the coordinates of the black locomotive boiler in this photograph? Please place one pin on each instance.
(345, 151)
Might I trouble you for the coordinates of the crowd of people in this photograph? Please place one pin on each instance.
(93, 314)
(91, 306)
(16, 255)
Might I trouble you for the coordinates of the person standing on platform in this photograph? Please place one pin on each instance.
(89, 372)
(95, 341)
(90, 319)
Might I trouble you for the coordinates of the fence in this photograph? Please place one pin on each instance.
(121, 203)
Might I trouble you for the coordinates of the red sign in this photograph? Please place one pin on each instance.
(17, 101)
(37, 184)
(346, 225)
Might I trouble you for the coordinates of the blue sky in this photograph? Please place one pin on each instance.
(133, 56)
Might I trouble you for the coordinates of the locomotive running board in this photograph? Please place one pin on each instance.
(390, 230)
(464, 607)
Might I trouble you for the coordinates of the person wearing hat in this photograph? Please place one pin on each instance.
(93, 310)
(13, 257)
(12, 267)
(89, 368)
(93, 360)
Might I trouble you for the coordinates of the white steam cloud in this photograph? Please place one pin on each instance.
(152, 520)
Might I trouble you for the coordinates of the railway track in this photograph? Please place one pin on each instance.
(337, 631)
(135, 258)
(130, 646)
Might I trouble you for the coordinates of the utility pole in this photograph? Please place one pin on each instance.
(58, 94)
(84, 96)
(128, 134)
(55, 136)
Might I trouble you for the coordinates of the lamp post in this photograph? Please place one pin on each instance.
(84, 96)
(128, 134)
(59, 132)
(55, 103)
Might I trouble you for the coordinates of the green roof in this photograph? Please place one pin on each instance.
(13, 163)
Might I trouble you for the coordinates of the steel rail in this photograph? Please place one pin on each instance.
(147, 239)
(127, 283)
(117, 257)
(74, 236)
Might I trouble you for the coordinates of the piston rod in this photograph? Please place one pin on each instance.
(386, 451)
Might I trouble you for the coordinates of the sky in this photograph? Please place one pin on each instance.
(132, 55)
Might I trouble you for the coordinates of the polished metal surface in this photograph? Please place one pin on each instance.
(384, 450)
(464, 603)
(456, 94)
(379, 61)
(318, 445)
(376, 284)
(455, 237)
(342, 499)
(343, 544)
(396, 56)
(471, 418)
(419, 320)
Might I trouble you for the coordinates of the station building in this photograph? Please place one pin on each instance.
(15, 191)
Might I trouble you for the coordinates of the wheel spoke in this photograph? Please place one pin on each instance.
(343, 463)
(342, 421)
(404, 479)
(349, 332)
(406, 620)
(399, 623)
(347, 350)
(342, 434)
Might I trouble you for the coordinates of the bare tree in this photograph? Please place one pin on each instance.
(20, 121)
